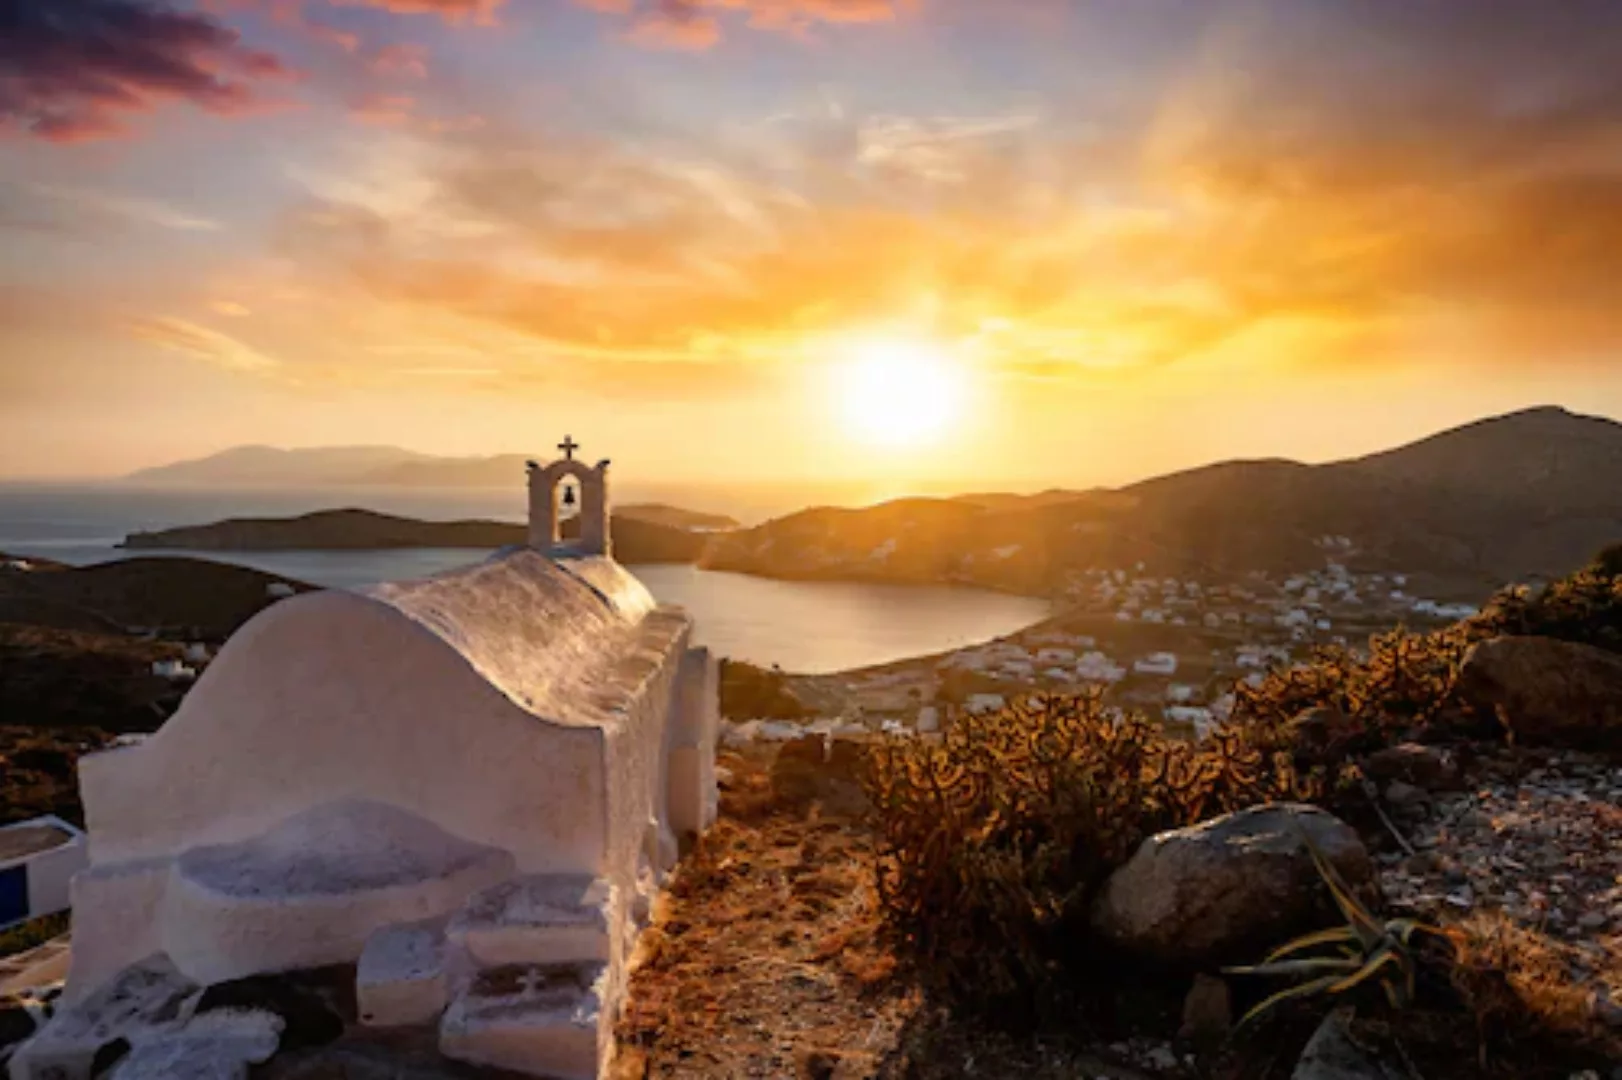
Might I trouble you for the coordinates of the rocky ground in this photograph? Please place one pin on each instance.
(1535, 836)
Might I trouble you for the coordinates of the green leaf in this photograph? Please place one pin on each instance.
(1339, 935)
(1381, 960)
(1305, 990)
(1314, 966)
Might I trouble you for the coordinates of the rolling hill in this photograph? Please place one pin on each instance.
(1521, 496)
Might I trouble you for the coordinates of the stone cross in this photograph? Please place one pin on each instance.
(568, 446)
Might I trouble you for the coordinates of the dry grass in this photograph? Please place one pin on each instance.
(1518, 984)
(765, 957)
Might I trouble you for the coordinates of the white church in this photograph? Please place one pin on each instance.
(468, 786)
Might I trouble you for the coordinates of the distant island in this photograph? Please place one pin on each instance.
(636, 539)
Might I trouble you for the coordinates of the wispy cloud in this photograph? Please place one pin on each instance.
(202, 343)
(90, 213)
(699, 24)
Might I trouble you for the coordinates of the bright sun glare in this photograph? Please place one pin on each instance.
(900, 393)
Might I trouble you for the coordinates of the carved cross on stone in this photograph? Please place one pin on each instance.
(568, 446)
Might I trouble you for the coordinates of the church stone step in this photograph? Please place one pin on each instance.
(540, 1020)
(537, 919)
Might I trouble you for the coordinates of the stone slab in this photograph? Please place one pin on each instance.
(402, 978)
(537, 919)
(539, 1021)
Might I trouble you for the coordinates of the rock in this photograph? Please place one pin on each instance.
(1546, 692)
(17, 1022)
(847, 758)
(1207, 1011)
(1402, 795)
(811, 749)
(1333, 1055)
(218, 1045)
(1426, 767)
(307, 1020)
(1219, 891)
(141, 1002)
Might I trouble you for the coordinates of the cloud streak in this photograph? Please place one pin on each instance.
(699, 24)
(203, 344)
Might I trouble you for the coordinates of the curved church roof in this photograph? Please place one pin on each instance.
(551, 634)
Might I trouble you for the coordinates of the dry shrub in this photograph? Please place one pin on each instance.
(994, 841)
(1518, 985)
(1402, 689)
(1585, 608)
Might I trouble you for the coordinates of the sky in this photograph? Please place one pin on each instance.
(1077, 241)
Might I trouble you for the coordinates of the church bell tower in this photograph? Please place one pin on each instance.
(545, 521)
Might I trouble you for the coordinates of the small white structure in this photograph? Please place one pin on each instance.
(1158, 663)
(1017, 669)
(38, 859)
(984, 703)
(173, 670)
(469, 784)
(1097, 667)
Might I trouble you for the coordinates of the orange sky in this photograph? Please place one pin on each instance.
(1143, 236)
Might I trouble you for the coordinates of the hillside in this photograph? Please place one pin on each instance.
(179, 598)
(1532, 494)
(675, 517)
(636, 540)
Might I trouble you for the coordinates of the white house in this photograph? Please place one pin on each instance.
(1096, 667)
(1159, 663)
(434, 780)
(1055, 655)
(981, 703)
(1017, 669)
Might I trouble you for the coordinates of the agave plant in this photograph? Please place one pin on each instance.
(1341, 959)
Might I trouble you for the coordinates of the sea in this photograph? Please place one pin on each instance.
(807, 627)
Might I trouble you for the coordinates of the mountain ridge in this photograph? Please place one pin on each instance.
(1465, 511)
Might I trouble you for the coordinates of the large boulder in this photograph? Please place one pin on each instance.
(1546, 692)
(1222, 890)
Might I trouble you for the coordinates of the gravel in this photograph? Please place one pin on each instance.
(1538, 838)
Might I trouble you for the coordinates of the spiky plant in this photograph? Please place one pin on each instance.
(1341, 959)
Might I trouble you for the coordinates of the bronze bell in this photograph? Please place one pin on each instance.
(568, 496)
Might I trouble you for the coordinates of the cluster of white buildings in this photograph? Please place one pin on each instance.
(1077, 661)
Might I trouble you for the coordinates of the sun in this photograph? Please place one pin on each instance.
(900, 393)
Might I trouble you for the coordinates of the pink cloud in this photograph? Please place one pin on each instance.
(479, 12)
(696, 24)
(403, 61)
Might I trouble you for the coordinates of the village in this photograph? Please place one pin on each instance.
(1169, 648)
